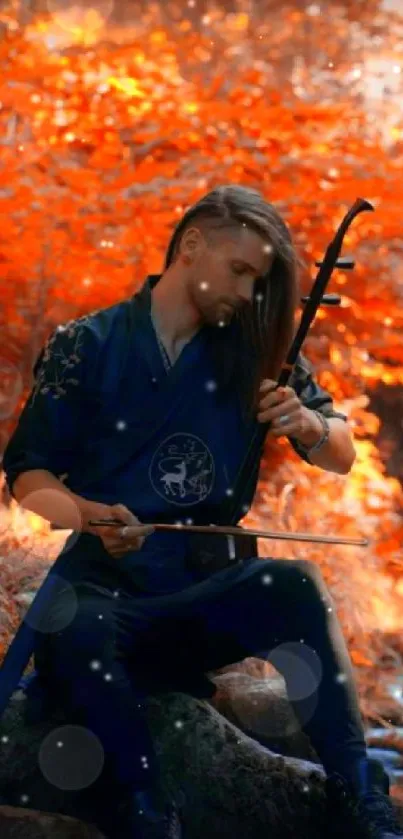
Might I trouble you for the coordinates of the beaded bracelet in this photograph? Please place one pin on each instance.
(325, 434)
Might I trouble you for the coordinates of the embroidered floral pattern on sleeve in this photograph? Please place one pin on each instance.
(61, 354)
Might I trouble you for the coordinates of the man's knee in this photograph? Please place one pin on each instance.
(312, 585)
(301, 576)
(306, 568)
(298, 568)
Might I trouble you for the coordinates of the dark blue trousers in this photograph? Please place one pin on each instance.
(275, 609)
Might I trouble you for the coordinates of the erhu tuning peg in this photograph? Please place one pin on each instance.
(345, 262)
(327, 300)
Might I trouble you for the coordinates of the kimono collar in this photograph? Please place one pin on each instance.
(223, 343)
(144, 297)
(139, 310)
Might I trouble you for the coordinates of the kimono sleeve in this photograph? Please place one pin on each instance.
(50, 427)
(312, 396)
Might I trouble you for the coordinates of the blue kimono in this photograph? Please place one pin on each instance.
(107, 418)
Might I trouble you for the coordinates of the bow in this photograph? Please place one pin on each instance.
(241, 531)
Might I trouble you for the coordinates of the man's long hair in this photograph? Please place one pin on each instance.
(256, 343)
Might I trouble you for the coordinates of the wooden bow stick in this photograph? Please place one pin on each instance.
(237, 531)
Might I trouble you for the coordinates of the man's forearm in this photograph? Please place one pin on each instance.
(338, 453)
(42, 493)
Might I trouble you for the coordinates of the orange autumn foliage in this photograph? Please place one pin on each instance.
(108, 136)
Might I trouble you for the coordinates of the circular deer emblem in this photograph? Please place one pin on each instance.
(182, 470)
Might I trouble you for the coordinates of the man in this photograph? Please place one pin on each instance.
(142, 412)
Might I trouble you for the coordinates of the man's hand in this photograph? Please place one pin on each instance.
(116, 543)
(288, 416)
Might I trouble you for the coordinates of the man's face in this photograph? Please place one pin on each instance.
(223, 275)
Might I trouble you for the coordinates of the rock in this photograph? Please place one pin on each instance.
(30, 824)
(389, 758)
(386, 737)
(261, 709)
(387, 745)
(229, 785)
(259, 706)
(251, 791)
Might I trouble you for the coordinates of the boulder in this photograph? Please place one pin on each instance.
(258, 705)
(227, 783)
(31, 824)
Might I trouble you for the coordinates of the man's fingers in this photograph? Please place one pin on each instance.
(267, 384)
(135, 531)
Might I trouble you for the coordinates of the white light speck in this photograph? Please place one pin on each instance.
(108, 677)
(95, 665)
(100, 617)
(229, 491)
(4, 738)
(59, 744)
(204, 286)
(341, 678)
(178, 724)
(211, 386)
(121, 425)
(267, 248)
(24, 799)
(267, 579)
